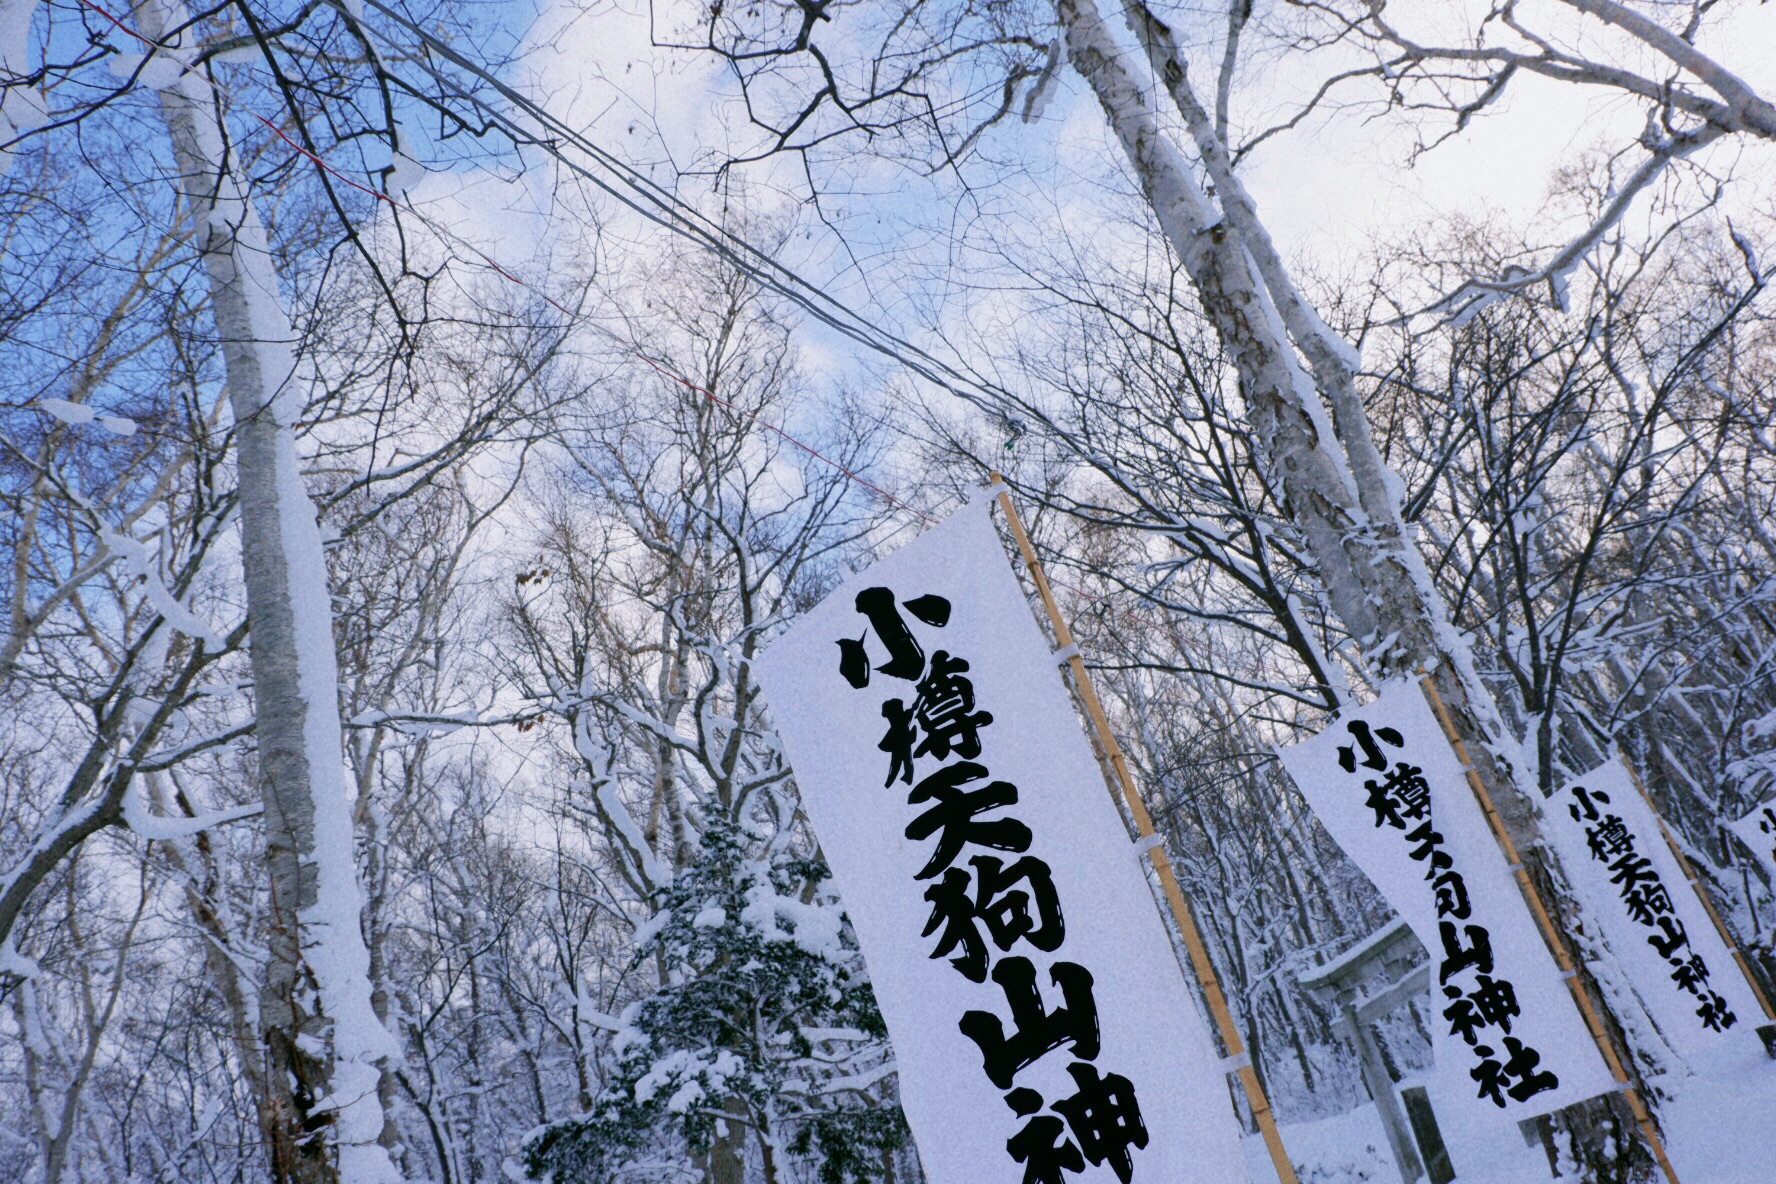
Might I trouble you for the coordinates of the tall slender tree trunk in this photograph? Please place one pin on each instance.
(192, 860)
(1333, 483)
(322, 1040)
(21, 108)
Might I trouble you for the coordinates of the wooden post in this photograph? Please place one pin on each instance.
(1552, 936)
(1162, 865)
(1689, 871)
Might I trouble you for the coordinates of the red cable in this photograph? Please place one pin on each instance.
(120, 24)
(323, 165)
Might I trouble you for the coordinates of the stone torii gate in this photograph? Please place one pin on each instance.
(1365, 983)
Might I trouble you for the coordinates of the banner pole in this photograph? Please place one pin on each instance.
(1551, 935)
(1162, 864)
(1702, 893)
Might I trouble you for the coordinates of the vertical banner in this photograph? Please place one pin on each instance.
(1509, 1040)
(1651, 919)
(1041, 1025)
(1757, 830)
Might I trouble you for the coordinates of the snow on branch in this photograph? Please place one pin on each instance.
(144, 821)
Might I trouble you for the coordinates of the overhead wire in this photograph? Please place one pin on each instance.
(656, 203)
(638, 192)
(659, 205)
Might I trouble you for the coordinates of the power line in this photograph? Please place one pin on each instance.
(658, 204)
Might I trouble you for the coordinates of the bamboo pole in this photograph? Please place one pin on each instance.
(1702, 894)
(1162, 864)
(1552, 936)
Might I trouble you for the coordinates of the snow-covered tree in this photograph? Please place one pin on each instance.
(764, 1039)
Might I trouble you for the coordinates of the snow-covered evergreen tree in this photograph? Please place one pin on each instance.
(766, 1025)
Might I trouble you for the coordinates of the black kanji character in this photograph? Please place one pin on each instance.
(1496, 999)
(1429, 849)
(1670, 937)
(945, 710)
(1609, 837)
(1630, 869)
(1492, 1003)
(1033, 915)
(1464, 1018)
(1372, 758)
(1516, 1076)
(1477, 956)
(1585, 797)
(953, 819)
(1036, 1030)
(1715, 1013)
(1647, 901)
(952, 907)
(1452, 896)
(898, 741)
(905, 657)
(1689, 973)
(1105, 1118)
(1008, 913)
(1490, 1073)
(1404, 794)
(1043, 1149)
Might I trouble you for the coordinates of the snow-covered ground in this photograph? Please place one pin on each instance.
(1720, 1127)
(1347, 1148)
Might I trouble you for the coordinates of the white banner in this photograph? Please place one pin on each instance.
(1040, 1021)
(1508, 1039)
(1758, 831)
(1651, 919)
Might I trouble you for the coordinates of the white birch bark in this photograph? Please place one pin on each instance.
(1295, 435)
(324, 1043)
(1742, 108)
(21, 106)
(1336, 487)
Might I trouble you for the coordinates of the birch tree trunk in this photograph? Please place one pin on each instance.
(1408, 627)
(1334, 484)
(22, 108)
(322, 1039)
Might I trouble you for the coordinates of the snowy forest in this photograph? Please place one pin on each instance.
(419, 414)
